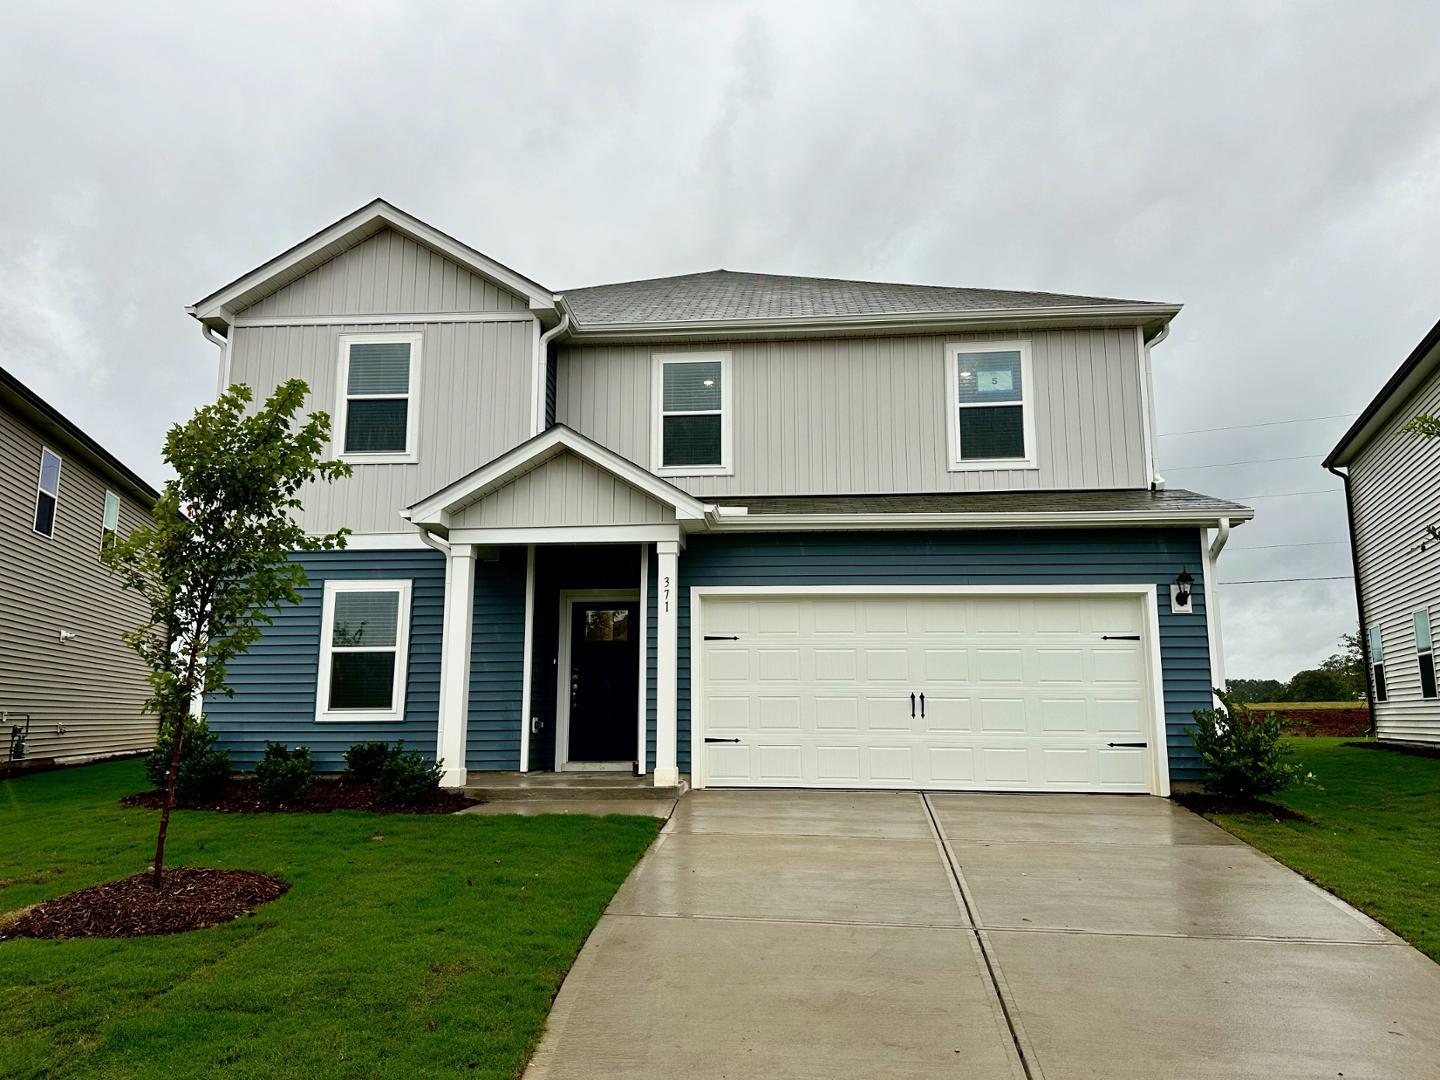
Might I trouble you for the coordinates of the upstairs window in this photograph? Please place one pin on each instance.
(379, 398)
(692, 430)
(1421, 622)
(990, 423)
(364, 631)
(1377, 663)
(47, 492)
(110, 522)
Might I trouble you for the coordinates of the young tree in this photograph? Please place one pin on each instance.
(215, 562)
(1426, 427)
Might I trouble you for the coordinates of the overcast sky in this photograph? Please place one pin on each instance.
(1272, 166)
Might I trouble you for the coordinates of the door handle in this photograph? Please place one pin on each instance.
(1119, 637)
(922, 704)
(1134, 744)
(912, 705)
(710, 740)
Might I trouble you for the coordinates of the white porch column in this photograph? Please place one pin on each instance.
(667, 614)
(455, 663)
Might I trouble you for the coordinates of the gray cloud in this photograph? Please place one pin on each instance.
(1272, 166)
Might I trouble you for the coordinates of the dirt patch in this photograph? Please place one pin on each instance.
(1393, 748)
(189, 898)
(1346, 723)
(242, 797)
(1201, 802)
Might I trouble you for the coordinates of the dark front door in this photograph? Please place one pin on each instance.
(604, 679)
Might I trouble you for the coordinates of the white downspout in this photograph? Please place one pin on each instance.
(223, 344)
(542, 356)
(1209, 555)
(1147, 387)
(430, 540)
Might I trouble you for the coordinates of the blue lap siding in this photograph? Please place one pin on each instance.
(1037, 557)
(274, 683)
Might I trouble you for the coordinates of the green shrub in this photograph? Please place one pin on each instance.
(407, 779)
(1243, 754)
(204, 770)
(283, 774)
(364, 760)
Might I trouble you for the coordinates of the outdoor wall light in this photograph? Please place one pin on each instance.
(1181, 592)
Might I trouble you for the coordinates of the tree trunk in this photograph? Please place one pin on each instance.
(165, 808)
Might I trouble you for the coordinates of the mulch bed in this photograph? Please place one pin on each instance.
(1201, 802)
(189, 898)
(323, 796)
(1330, 723)
(1393, 748)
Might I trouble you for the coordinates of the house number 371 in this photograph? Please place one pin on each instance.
(665, 592)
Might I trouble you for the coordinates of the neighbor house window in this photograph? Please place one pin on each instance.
(379, 397)
(47, 492)
(111, 520)
(692, 430)
(364, 631)
(990, 422)
(1377, 662)
(1427, 654)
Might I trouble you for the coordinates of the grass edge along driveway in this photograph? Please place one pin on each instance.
(407, 945)
(1373, 838)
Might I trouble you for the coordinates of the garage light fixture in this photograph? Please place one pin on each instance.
(1181, 592)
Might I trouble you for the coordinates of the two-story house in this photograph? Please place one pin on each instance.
(71, 689)
(1392, 495)
(760, 530)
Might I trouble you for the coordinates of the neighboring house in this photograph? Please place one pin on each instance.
(62, 661)
(760, 530)
(1392, 492)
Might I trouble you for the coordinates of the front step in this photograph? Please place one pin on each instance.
(524, 787)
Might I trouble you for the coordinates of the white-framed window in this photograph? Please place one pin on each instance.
(1377, 662)
(990, 405)
(692, 420)
(364, 638)
(47, 492)
(378, 410)
(1420, 620)
(110, 521)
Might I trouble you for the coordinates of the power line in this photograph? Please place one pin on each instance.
(1281, 580)
(1304, 543)
(1250, 461)
(1290, 494)
(1265, 423)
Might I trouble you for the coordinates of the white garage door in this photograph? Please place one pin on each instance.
(959, 692)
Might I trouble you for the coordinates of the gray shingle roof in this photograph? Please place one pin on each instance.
(1174, 500)
(721, 295)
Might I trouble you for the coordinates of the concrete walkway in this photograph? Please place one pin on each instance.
(848, 935)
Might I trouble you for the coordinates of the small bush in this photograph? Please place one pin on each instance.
(364, 760)
(204, 771)
(407, 779)
(1243, 754)
(283, 774)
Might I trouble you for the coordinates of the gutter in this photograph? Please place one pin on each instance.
(1359, 590)
(223, 344)
(539, 368)
(1157, 482)
(731, 522)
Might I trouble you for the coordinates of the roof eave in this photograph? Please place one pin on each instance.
(1149, 316)
(1423, 360)
(985, 520)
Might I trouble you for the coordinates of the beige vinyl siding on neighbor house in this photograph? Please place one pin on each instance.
(474, 390)
(84, 695)
(868, 415)
(565, 490)
(1395, 486)
(386, 274)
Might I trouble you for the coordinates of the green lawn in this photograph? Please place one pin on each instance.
(1375, 840)
(407, 946)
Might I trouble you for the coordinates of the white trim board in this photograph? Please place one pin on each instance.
(568, 534)
(241, 321)
(1159, 763)
(568, 598)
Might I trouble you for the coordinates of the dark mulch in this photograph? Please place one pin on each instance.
(1329, 723)
(1201, 802)
(189, 898)
(1412, 751)
(323, 796)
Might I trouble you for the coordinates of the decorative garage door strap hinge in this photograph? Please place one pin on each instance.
(1119, 637)
(710, 740)
(1127, 744)
(722, 637)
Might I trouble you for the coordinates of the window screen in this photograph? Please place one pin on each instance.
(692, 413)
(991, 398)
(363, 652)
(377, 398)
(47, 493)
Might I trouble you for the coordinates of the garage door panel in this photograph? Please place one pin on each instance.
(1020, 693)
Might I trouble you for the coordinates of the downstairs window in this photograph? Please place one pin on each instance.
(1421, 622)
(364, 636)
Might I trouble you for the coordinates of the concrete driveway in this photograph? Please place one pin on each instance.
(841, 934)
